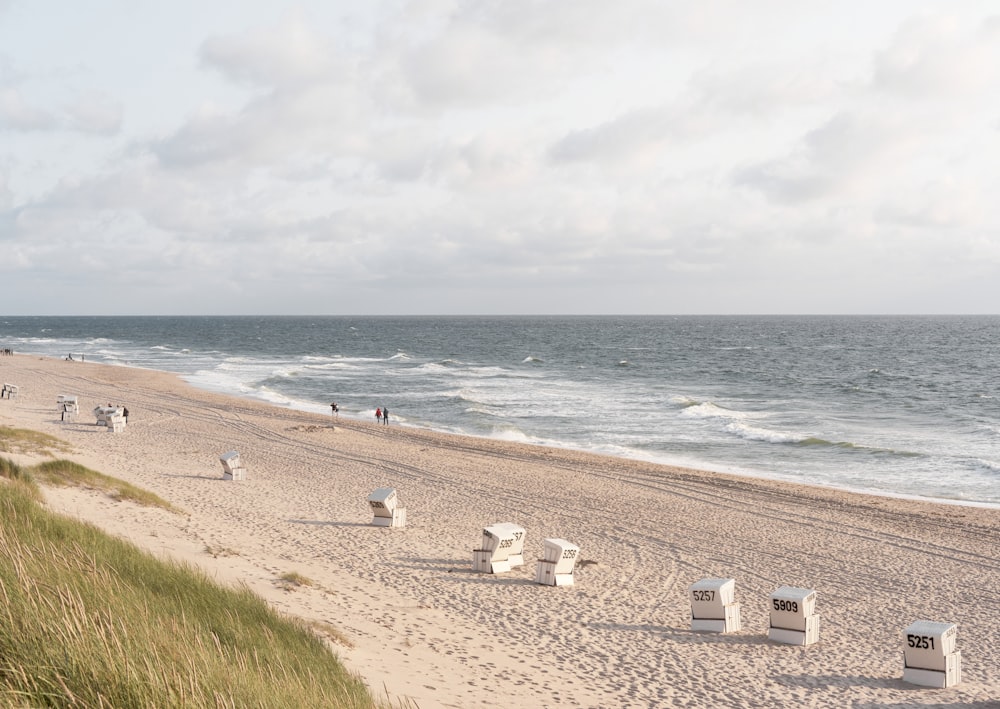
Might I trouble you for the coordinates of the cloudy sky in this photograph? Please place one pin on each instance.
(499, 156)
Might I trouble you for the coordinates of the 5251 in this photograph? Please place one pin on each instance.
(920, 642)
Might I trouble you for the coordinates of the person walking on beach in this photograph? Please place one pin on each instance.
(333, 409)
(378, 415)
(125, 413)
(385, 416)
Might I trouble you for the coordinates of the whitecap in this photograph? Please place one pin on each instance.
(992, 465)
(755, 433)
(432, 367)
(465, 395)
(489, 375)
(509, 433)
(331, 366)
(707, 409)
(735, 422)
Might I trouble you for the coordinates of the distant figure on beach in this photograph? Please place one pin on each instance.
(333, 409)
(385, 416)
(378, 415)
(125, 413)
(69, 357)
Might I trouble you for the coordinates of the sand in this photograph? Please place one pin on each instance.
(420, 624)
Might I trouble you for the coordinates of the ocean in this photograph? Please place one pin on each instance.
(899, 405)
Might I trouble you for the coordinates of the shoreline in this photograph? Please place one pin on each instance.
(424, 626)
(706, 467)
(937, 475)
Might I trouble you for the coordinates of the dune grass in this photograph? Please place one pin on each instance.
(22, 440)
(64, 473)
(13, 471)
(293, 579)
(88, 620)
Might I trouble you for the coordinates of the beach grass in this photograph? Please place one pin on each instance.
(68, 473)
(12, 471)
(295, 579)
(87, 619)
(21, 440)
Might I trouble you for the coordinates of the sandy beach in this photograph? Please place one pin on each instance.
(422, 625)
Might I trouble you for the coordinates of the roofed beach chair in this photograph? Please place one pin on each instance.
(385, 506)
(558, 563)
(232, 466)
(502, 548)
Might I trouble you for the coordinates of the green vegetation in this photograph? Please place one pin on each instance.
(293, 579)
(330, 632)
(88, 620)
(64, 472)
(21, 440)
(216, 552)
(12, 471)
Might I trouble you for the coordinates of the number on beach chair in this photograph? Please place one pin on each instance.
(385, 506)
(930, 657)
(502, 548)
(793, 617)
(713, 606)
(559, 561)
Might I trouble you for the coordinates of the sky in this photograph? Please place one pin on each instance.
(499, 157)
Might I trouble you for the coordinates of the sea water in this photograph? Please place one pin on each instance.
(897, 405)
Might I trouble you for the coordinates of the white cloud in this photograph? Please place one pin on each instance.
(6, 198)
(288, 55)
(509, 52)
(17, 113)
(942, 204)
(638, 136)
(846, 152)
(934, 55)
(503, 156)
(96, 112)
